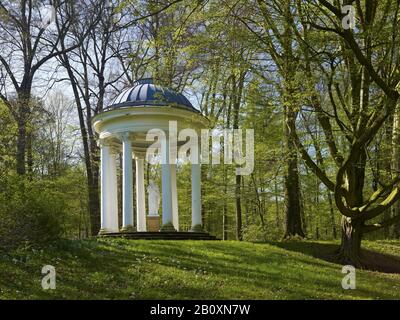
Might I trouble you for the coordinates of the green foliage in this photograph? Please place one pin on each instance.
(37, 211)
(7, 139)
(254, 233)
(31, 212)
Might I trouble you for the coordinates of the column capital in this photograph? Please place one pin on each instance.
(107, 142)
(139, 155)
(124, 136)
(103, 143)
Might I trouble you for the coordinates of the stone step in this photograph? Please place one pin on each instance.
(160, 235)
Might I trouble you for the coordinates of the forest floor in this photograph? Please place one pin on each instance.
(144, 269)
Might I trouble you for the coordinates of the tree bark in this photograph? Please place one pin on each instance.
(93, 183)
(350, 247)
(292, 185)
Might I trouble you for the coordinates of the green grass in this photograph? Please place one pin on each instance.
(126, 269)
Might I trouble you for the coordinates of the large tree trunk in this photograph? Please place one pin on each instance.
(350, 247)
(94, 198)
(292, 185)
(349, 252)
(94, 202)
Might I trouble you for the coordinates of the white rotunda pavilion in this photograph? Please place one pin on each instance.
(122, 128)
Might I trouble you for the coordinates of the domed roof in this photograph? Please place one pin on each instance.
(145, 93)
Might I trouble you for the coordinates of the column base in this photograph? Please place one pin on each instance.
(197, 228)
(129, 228)
(104, 231)
(169, 227)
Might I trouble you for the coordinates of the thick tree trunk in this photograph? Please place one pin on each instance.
(349, 252)
(94, 199)
(292, 202)
(350, 247)
(292, 185)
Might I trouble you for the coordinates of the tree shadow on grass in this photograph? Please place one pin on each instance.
(372, 260)
(175, 270)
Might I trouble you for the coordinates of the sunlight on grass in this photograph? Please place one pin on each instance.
(126, 269)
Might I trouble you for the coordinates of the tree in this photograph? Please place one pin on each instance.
(29, 41)
(360, 105)
(275, 36)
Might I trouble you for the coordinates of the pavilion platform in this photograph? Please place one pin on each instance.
(178, 235)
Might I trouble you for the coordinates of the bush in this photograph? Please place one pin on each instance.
(31, 212)
(256, 233)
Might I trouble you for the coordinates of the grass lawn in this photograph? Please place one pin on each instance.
(143, 269)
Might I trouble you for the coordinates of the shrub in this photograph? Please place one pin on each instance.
(31, 212)
(254, 233)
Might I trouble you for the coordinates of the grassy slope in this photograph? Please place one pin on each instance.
(123, 269)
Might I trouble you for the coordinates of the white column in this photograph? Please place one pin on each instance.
(167, 224)
(109, 201)
(104, 159)
(127, 184)
(140, 196)
(113, 213)
(196, 198)
(174, 198)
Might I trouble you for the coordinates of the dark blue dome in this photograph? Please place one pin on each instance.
(145, 93)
